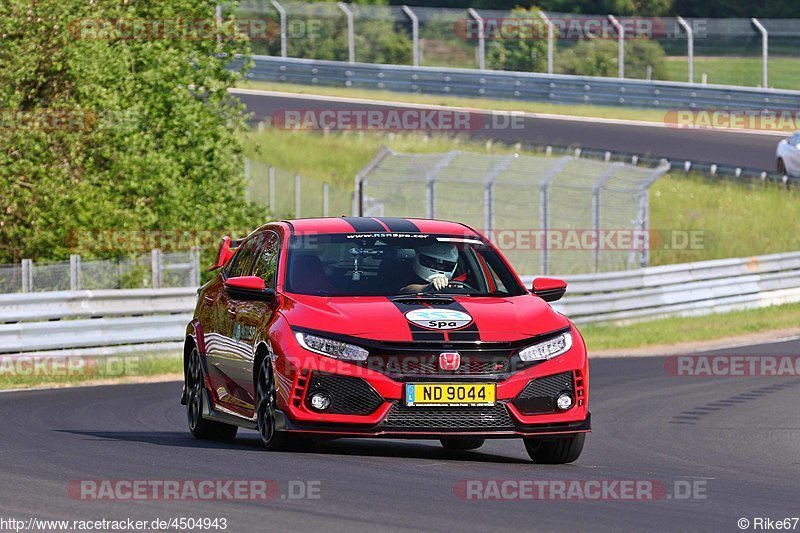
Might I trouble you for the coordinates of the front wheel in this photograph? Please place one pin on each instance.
(462, 443)
(780, 166)
(266, 398)
(555, 451)
(199, 426)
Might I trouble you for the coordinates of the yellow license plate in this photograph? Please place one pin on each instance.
(450, 394)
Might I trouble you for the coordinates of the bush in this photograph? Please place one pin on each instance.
(599, 57)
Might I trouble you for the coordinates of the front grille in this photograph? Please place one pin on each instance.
(539, 395)
(349, 396)
(403, 418)
(426, 365)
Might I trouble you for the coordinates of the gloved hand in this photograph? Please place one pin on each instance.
(439, 281)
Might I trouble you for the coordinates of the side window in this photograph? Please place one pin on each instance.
(242, 262)
(266, 264)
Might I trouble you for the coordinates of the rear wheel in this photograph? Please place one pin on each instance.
(780, 166)
(199, 426)
(555, 450)
(462, 443)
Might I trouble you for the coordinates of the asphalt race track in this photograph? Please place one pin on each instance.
(739, 437)
(722, 147)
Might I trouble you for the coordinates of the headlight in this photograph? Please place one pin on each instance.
(331, 348)
(547, 349)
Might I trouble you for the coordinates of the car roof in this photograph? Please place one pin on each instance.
(378, 225)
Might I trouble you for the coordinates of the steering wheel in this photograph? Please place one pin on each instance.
(459, 286)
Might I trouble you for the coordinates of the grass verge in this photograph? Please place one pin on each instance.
(721, 326)
(25, 372)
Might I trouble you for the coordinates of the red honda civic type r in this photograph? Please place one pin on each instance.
(383, 327)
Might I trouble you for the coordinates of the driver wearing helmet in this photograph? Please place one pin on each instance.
(435, 264)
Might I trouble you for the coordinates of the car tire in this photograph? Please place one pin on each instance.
(780, 166)
(195, 405)
(266, 398)
(462, 443)
(555, 451)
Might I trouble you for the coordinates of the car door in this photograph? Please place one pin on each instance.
(222, 348)
(793, 152)
(253, 316)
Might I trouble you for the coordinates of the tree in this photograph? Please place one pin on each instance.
(599, 57)
(115, 115)
(522, 45)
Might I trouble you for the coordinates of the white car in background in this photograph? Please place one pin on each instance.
(788, 156)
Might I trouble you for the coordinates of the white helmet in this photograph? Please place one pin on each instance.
(436, 259)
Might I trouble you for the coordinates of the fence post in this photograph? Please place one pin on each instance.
(621, 38)
(218, 17)
(74, 272)
(689, 46)
(481, 38)
(414, 33)
(326, 199)
(550, 37)
(282, 14)
(194, 273)
(544, 220)
(27, 275)
(271, 174)
(351, 38)
(297, 196)
(764, 51)
(598, 185)
(155, 268)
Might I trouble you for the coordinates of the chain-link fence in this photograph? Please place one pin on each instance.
(561, 215)
(154, 270)
(290, 195)
(720, 51)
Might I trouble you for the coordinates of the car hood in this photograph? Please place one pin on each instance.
(380, 318)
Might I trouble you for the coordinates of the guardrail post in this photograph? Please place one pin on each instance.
(414, 33)
(326, 199)
(481, 38)
(621, 39)
(271, 174)
(27, 275)
(74, 272)
(156, 266)
(282, 14)
(550, 37)
(689, 46)
(764, 51)
(297, 196)
(351, 36)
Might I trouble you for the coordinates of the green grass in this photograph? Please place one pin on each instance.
(23, 373)
(783, 71)
(734, 219)
(689, 329)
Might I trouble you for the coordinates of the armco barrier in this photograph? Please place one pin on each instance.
(69, 322)
(523, 86)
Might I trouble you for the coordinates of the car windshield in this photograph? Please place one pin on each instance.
(390, 264)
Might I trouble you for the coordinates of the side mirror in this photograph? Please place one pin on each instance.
(549, 289)
(248, 288)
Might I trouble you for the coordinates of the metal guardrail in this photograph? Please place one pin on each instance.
(523, 86)
(69, 322)
(682, 290)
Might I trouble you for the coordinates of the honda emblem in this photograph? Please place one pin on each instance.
(449, 360)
